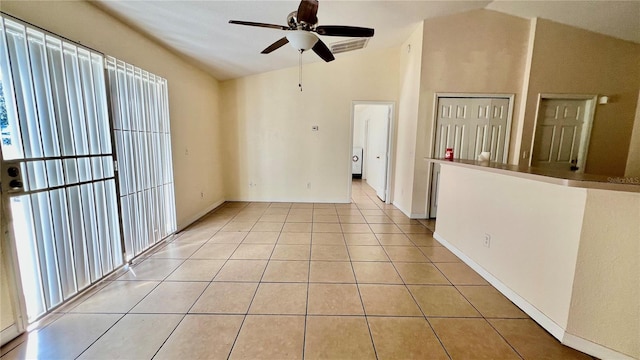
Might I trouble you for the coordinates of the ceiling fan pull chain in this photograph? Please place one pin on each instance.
(300, 71)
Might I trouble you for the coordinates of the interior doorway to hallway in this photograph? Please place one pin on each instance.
(372, 142)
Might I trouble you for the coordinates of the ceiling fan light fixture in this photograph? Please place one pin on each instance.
(301, 40)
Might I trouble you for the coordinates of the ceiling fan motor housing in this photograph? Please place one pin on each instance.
(294, 24)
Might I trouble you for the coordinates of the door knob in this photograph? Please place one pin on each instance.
(377, 157)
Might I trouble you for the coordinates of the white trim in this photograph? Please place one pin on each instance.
(434, 133)
(554, 329)
(390, 144)
(9, 333)
(200, 214)
(590, 115)
(525, 94)
(418, 216)
(507, 138)
(592, 348)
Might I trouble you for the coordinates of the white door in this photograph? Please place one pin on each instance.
(469, 126)
(376, 154)
(561, 136)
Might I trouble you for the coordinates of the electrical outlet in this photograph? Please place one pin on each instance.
(487, 240)
(308, 185)
(201, 194)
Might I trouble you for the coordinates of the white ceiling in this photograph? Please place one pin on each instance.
(200, 30)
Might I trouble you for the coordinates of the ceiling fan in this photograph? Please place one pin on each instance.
(301, 25)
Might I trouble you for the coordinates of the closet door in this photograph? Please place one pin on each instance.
(469, 125)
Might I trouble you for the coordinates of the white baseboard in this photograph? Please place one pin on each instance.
(407, 213)
(592, 348)
(554, 329)
(200, 214)
(9, 333)
(418, 216)
(295, 200)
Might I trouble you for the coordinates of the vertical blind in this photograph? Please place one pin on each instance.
(59, 112)
(55, 129)
(139, 103)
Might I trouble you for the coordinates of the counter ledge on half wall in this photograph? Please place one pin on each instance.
(571, 179)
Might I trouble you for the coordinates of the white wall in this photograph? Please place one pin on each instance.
(408, 102)
(359, 122)
(534, 228)
(569, 255)
(193, 94)
(270, 151)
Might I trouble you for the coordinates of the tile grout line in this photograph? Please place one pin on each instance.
(404, 283)
(197, 298)
(306, 310)
(235, 340)
(364, 311)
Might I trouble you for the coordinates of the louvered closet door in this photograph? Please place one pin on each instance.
(469, 126)
(57, 165)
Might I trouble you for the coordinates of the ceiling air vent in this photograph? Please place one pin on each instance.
(349, 45)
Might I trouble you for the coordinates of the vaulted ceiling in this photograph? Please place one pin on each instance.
(199, 30)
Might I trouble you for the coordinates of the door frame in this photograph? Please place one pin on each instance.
(510, 97)
(592, 101)
(9, 256)
(390, 144)
(434, 132)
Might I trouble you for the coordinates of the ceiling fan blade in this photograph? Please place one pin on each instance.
(323, 51)
(276, 45)
(350, 31)
(307, 12)
(249, 23)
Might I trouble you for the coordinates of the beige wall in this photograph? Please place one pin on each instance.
(568, 60)
(474, 52)
(408, 102)
(193, 94)
(633, 160)
(6, 306)
(606, 290)
(270, 151)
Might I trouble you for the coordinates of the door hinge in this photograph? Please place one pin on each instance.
(115, 165)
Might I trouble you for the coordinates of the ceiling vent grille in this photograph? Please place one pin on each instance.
(349, 45)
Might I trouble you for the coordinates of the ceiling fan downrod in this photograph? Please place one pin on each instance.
(300, 70)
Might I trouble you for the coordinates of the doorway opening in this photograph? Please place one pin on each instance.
(372, 124)
(562, 132)
(470, 124)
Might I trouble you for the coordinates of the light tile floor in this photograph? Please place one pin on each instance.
(291, 281)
